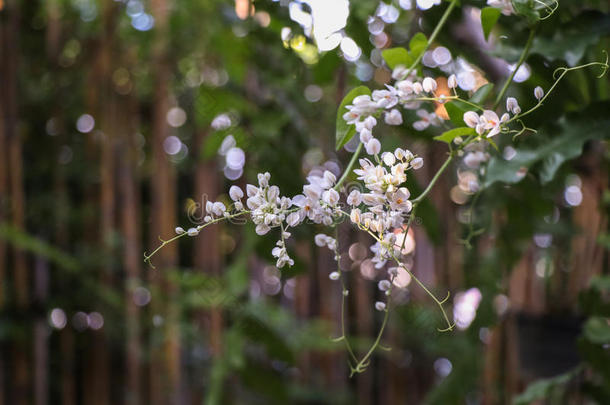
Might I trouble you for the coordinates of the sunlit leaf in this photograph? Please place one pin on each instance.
(396, 57)
(450, 135)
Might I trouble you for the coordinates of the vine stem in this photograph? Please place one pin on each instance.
(434, 179)
(148, 257)
(564, 71)
(348, 169)
(433, 36)
(522, 58)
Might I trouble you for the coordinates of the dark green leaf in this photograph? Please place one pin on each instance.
(489, 17)
(528, 9)
(482, 93)
(456, 110)
(556, 144)
(450, 135)
(344, 131)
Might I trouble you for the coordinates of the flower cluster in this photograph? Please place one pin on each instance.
(386, 203)
(406, 92)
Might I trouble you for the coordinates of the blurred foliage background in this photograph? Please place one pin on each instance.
(107, 144)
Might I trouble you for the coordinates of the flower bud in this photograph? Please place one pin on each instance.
(417, 163)
(471, 118)
(179, 230)
(452, 82)
(429, 85)
(373, 147)
(380, 306)
(538, 93)
(236, 193)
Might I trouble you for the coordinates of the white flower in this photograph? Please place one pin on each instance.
(490, 122)
(334, 275)
(236, 193)
(393, 117)
(417, 163)
(379, 306)
(399, 72)
(452, 82)
(218, 208)
(262, 229)
(538, 93)
(373, 147)
(384, 285)
(281, 254)
(369, 122)
(365, 136)
(512, 105)
(330, 197)
(388, 158)
(351, 117)
(429, 85)
(227, 143)
(385, 98)
(354, 198)
(192, 232)
(322, 240)
(506, 6)
(222, 121)
(417, 88)
(293, 219)
(354, 215)
(426, 119)
(471, 119)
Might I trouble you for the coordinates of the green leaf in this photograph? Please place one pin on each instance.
(554, 145)
(482, 93)
(571, 40)
(543, 389)
(597, 330)
(397, 56)
(456, 110)
(344, 131)
(450, 135)
(527, 9)
(417, 44)
(489, 17)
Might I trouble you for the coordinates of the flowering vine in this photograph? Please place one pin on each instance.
(384, 208)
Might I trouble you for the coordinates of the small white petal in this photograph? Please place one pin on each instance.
(417, 163)
(373, 147)
(236, 193)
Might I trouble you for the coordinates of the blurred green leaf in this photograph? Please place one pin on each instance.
(396, 57)
(482, 93)
(489, 17)
(597, 330)
(555, 144)
(544, 389)
(417, 44)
